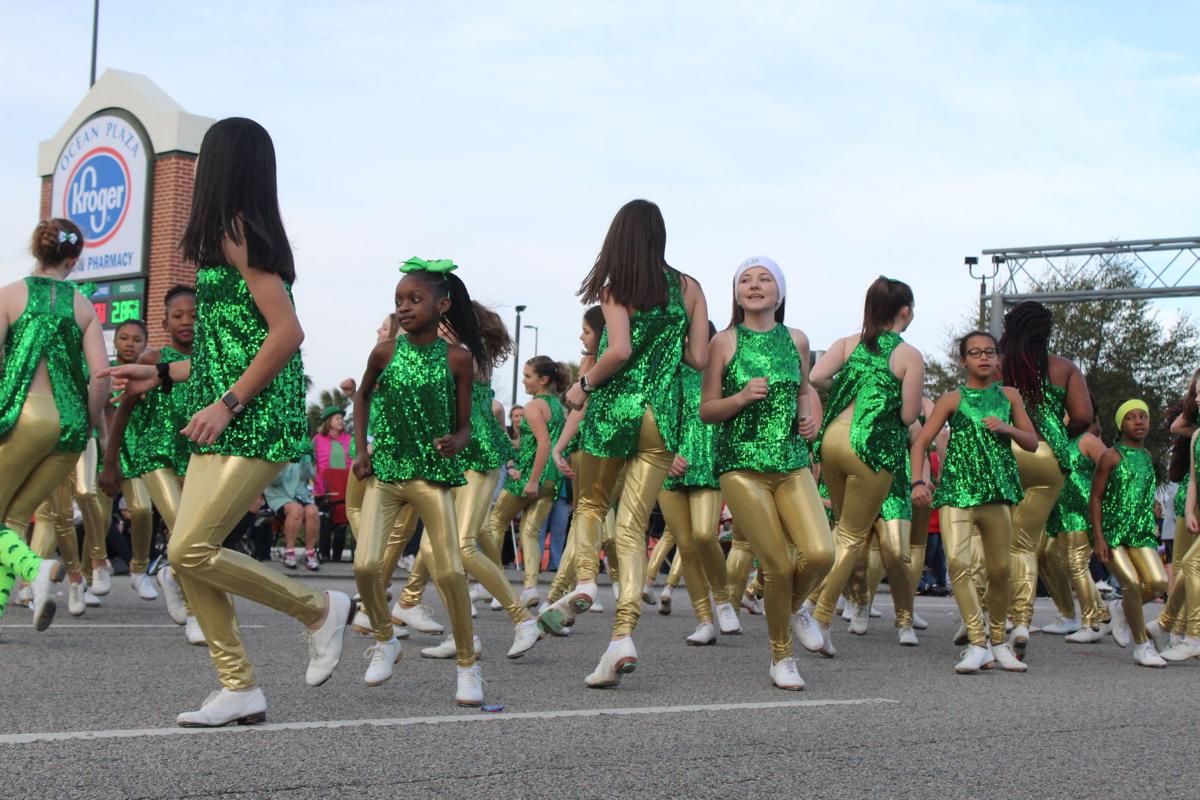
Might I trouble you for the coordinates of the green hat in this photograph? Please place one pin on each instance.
(331, 411)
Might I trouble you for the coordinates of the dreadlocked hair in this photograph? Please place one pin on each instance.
(497, 344)
(1023, 349)
(461, 318)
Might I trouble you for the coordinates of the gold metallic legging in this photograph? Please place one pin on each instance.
(54, 528)
(739, 562)
(564, 579)
(1187, 584)
(470, 509)
(1142, 577)
(30, 469)
(165, 488)
(215, 497)
(94, 505)
(918, 537)
(890, 553)
(995, 535)
(1042, 481)
(534, 511)
(658, 554)
(1180, 603)
(644, 475)
(857, 492)
(782, 515)
(434, 504)
(692, 515)
(355, 490)
(1078, 547)
(141, 518)
(1052, 569)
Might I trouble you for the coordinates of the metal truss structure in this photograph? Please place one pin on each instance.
(1167, 268)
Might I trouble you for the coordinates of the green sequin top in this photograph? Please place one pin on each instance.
(615, 409)
(1127, 508)
(697, 440)
(489, 446)
(152, 437)
(528, 449)
(878, 435)
(230, 331)
(1071, 512)
(1047, 419)
(763, 436)
(1181, 492)
(46, 330)
(414, 404)
(980, 467)
(898, 503)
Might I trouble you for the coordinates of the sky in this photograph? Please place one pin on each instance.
(844, 140)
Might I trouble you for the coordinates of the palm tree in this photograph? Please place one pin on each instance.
(327, 398)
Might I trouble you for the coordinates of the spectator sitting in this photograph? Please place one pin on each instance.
(290, 497)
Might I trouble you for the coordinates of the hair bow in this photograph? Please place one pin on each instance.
(438, 265)
(64, 236)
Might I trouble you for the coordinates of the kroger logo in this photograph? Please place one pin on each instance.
(97, 194)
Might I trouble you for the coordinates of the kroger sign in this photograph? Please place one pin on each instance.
(100, 183)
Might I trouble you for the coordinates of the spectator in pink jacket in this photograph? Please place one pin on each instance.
(332, 445)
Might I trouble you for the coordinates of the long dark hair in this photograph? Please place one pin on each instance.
(236, 195)
(885, 298)
(1024, 349)
(594, 318)
(632, 265)
(461, 318)
(497, 344)
(1177, 467)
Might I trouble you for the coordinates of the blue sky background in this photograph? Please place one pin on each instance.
(843, 140)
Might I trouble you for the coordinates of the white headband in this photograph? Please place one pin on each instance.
(771, 267)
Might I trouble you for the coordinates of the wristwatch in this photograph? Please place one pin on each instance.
(165, 381)
(233, 404)
(585, 386)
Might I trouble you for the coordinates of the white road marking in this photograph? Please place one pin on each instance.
(172, 626)
(134, 733)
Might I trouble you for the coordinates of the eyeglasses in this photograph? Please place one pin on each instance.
(977, 352)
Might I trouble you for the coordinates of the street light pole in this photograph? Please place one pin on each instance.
(536, 349)
(516, 357)
(95, 28)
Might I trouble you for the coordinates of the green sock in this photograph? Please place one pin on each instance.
(16, 555)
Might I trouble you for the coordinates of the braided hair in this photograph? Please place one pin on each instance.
(1024, 349)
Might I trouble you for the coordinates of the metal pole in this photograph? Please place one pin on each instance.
(95, 29)
(997, 315)
(536, 337)
(516, 358)
(982, 301)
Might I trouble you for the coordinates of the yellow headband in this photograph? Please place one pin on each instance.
(1131, 405)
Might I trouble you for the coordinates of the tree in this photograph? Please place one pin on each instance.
(1125, 348)
(328, 397)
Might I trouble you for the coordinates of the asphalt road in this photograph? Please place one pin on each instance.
(89, 707)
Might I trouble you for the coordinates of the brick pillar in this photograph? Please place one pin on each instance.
(44, 205)
(172, 202)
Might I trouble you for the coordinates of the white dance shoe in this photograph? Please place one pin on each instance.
(1183, 650)
(859, 620)
(784, 675)
(325, 643)
(619, 659)
(727, 620)
(446, 649)
(143, 585)
(173, 594)
(526, 635)
(907, 636)
(705, 634)
(76, 605)
(1062, 626)
(226, 706)
(562, 612)
(1006, 659)
(50, 572)
(1144, 655)
(806, 630)
(416, 617)
(384, 656)
(664, 600)
(102, 579)
(918, 622)
(529, 597)
(1085, 635)
(470, 686)
(974, 658)
(193, 632)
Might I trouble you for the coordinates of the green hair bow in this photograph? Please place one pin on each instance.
(438, 265)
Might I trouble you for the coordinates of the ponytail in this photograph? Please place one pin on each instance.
(885, 299)
(547, 367)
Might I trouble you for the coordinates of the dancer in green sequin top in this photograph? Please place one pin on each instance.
(757, 392)
(690, 501)
(1053, 389)
(1121, 509)
(1179, 614)
(153, 454)
(978, 485)
(415, 398)
(655, 318)
(877, 381)
(245, 389)
(47, 406)
(533, 480)
(488, 450)
(1072, 531)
